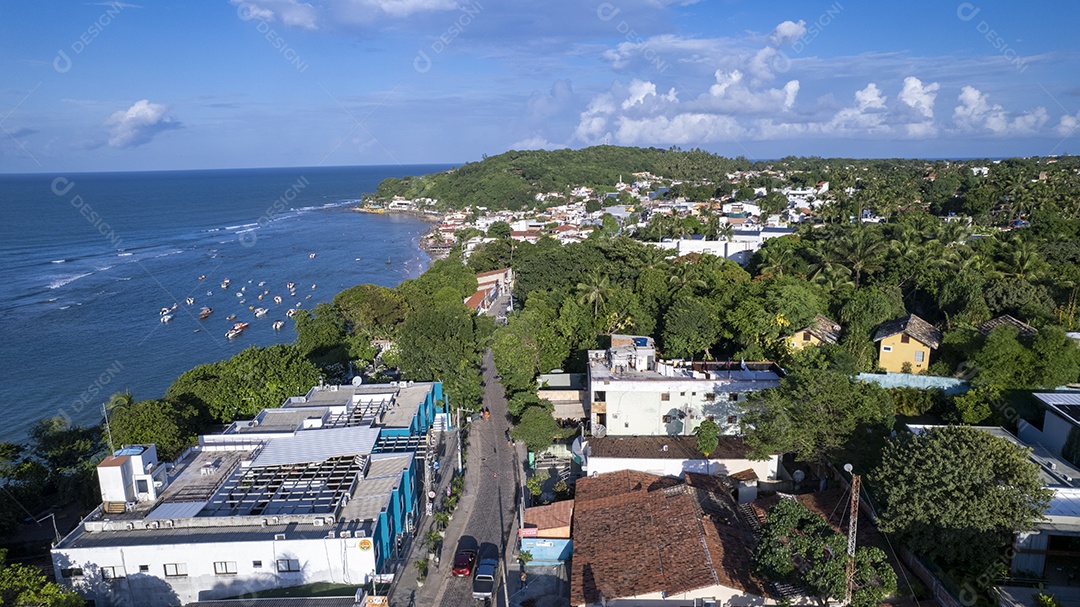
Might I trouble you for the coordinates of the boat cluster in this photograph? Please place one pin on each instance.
(167, 314)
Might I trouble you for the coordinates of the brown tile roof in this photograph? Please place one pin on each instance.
(476, 299)
(744, 475)
(913, 326)
(654, 534)
(824, 329)
(677, 447)
(1025, 329)
(551, 516)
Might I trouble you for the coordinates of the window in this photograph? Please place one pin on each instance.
(111, 573)
(886, 348)
(256, 564)
(665, 396)
(71, 572)
(287, 565)
(806, 336)
(141, 486)
(225, 568)
(733, 397)
(905, 338)
(175, 569)
(919, 356)
(710, 396)
(144, 568)
(682, 393)
(600, 396)
(732, 420)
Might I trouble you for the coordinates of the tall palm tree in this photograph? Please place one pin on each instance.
(862, 251)
(595, 290)
(725, 231)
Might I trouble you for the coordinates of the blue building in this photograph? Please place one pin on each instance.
(323, 489)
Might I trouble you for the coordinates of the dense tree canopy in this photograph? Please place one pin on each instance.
(958, 493)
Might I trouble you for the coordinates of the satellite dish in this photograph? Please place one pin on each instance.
(357, 380)
(798, 476)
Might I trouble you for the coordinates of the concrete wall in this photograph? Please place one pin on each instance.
(336, 560)
(901, 353)
(675, 467)
(548, 551)
(1029, 554)
(797, 341)
(1053, 435)
(637, 408)
(728, 597)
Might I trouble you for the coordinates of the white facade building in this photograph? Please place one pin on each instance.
(631, 393)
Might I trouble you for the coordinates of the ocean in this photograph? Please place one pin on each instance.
(91, 259)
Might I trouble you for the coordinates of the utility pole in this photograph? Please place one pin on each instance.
(853, 524)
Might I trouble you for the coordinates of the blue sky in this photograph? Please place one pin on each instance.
(153, 85)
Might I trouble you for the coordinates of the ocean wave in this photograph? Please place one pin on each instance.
(63, 280)
(124, 254)
(60, 261)
(241, 226)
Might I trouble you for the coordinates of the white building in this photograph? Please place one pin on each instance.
(323, 489)
(674, 455)
(740, 248)
(632, 393)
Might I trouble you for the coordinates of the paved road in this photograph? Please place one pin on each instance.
(492, 518)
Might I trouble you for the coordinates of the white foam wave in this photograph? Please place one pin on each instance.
(124, 254)
(59, 261)
(70, 278)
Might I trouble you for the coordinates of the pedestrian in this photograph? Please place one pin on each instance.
(508, 441)
(524, 580)
(487, 413)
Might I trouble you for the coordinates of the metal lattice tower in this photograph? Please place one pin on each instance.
(853, 525)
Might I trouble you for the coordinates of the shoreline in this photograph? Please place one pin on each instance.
(428, 242)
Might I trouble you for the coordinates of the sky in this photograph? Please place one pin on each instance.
(118, 86)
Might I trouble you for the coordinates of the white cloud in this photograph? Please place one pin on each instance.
(536, 141)
(138, 124)
(730, 94)
(1068, 124)
(289, 12)
(787, 32)
(976, 113)
(919, 96)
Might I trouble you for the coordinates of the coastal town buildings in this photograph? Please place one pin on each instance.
(905, 344)
(631, 392)
(324, 489)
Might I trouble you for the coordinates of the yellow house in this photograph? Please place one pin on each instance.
(820, 331)
(906, 340)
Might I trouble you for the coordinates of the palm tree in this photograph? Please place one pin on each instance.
(774, 261)
(862, 251)
(595, 291)
(685, 275)
(725, 231)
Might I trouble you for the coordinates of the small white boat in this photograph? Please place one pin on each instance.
(260, 312)
(260, 297)
(279, 324)
(312, 287)
(239, 293)
(163, 312)
(262, 283)
(312, 256)
(290, 285)
(225, 283)
(277, 299)
(290, 312)
(166, 317)
(190, 300)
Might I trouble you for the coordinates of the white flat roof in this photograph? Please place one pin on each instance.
(317, 446)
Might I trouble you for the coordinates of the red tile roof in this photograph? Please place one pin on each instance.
(637, 533)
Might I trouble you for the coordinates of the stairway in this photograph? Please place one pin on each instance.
(439, 423)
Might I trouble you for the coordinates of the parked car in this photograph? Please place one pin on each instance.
(487, 576)
(463, 563)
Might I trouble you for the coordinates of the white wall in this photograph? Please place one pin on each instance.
(635, 408)
(335, 560)
(1053, 435)
(728, 597)
(675, 467)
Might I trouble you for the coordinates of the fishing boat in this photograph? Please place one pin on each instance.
(190, 300)
(203, 277)
(260, 312)
(262, 283)
(291, 285)
(231, 317)
(225, 283)
(166, 317)
(312, 287)
(279, 324)
(277, 299)
(205, 313)
(388, 262)
(290, 312)
(312, 256)
(239, 293)
(236, 330)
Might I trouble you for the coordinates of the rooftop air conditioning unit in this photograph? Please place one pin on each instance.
(153, 525)
(346, 534)
(361, 533)
(279, 536)
(319, 522)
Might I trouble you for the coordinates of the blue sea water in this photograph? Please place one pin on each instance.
(90, 259)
